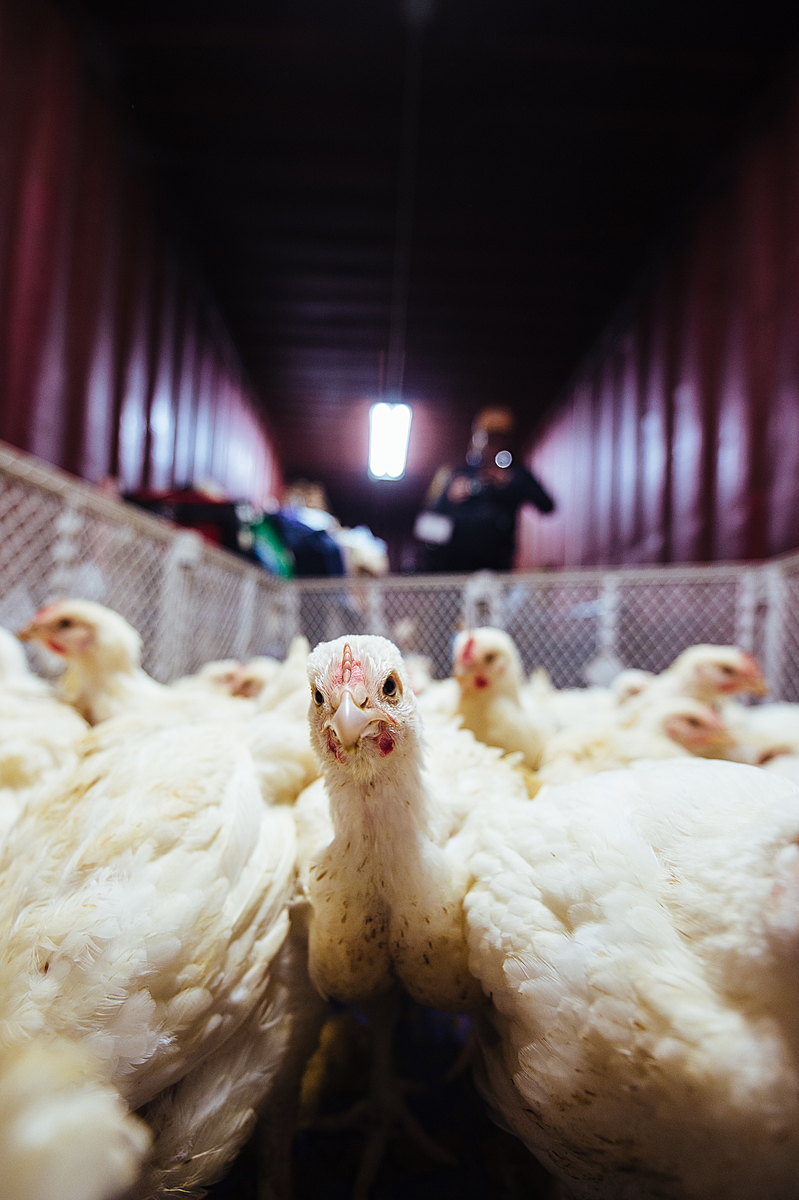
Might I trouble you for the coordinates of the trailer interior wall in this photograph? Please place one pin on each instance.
(112, 361)
(679, 439)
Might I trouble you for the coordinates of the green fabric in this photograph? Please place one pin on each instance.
(269, 548)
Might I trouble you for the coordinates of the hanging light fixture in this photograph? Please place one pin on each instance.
(390, 423)
(389, 430)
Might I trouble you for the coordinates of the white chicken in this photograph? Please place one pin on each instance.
(764, 731)
(105, 681)
(633, 936)
(286, 692)
(419, 667)
(438, 699)
(229, 677)
(37, 738)
(253, 676)
(668, 729)
(38, 735)
(707, 673)
(632, 681)
(64, 1134)
(218, 677)
(16, 678)
(143, 909)
(104, 678)
(564, 708)
(103, 656)
(363, 715)
(489, 674)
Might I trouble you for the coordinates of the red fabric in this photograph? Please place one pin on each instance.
(679, 440)
(110, 362)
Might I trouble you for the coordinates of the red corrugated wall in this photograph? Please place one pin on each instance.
(679, 439)
(112, 361)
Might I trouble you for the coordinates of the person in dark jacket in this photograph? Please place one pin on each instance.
(477, 504)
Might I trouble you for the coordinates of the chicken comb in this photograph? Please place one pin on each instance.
(468, 650)
(346, 663)
(47, 610)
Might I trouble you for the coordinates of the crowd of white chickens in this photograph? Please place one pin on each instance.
(188, 873)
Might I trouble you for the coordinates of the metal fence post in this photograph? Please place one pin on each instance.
(183, 555)
(607, 629)
(607, 664)
(246, 621)
(482, 601)
(774, 639)
(375, 609)
(68, 524)
(746, 608)
(280, 619)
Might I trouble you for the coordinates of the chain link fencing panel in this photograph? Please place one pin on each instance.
(193, 603)
(59, 537)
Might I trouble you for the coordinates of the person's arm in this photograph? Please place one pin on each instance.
(458, 488)
(438, 488)
(532, 492)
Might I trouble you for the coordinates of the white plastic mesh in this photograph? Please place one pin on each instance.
(193, 603)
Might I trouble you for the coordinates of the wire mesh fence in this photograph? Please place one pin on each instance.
(193, 603)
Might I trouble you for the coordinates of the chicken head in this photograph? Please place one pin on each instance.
(361, 702)
(486, 658)
(81, 629)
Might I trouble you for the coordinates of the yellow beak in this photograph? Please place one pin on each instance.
(349, 722)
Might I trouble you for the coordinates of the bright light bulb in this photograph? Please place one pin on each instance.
(389, 430)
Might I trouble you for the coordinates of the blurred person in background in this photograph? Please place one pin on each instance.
(306, 508)
(469, 522)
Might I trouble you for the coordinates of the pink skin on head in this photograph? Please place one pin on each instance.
(46, 613)
(349, 673)
(352, 719)
(480, 681)
(467, 651)
(774, 752)
(748, 670)
(748, 675)
(753, 671)
(712, 731)
(349, 670)
(334, 747)
(51, 612)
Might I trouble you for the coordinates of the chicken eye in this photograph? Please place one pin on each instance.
(727, 670)
(390, 686)
(318, 697)
(489, 658)
(693, 721)
(65, 623)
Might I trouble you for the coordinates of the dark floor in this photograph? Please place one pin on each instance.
(490, 1164)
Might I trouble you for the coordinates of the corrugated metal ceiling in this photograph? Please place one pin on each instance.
(559, 142)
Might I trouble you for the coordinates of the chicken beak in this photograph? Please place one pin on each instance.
(757, 687)
(28, 633)
(350, 722)
(755, 681)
